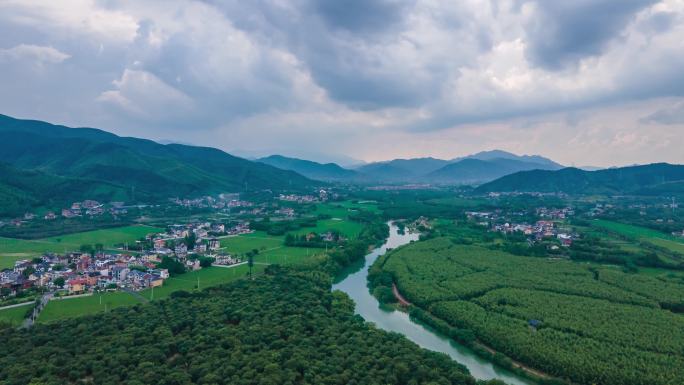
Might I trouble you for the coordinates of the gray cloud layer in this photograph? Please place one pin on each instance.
(370, 79)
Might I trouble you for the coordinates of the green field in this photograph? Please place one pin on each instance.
(643, 234)
(588, 313)
(73, 307)
(349, 228)
(14, 249)
(210, 276)
(243, 243)
(14, 316)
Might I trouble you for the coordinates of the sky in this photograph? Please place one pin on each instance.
(584, 82)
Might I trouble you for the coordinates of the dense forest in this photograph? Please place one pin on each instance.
(277, 329)
(585, 323)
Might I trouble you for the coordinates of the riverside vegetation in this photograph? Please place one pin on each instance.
(590, 324)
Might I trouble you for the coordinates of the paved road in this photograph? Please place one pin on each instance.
(16, 305)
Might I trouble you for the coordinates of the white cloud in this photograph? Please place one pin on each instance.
(33, 54)
(405, 78)
(146, 97)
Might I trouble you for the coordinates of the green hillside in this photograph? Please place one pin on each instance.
(23, 190)
(146, 168)
(651, 179)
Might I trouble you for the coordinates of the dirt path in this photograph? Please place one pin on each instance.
(397, 295)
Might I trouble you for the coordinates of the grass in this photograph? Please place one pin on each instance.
(642, 233)
(12, 249)
(14, 316)
(210, 276)
(72, 307)
(348, 228)
(244, 243)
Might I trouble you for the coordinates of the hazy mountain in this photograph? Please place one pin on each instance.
(401, 169)
(472, 170)
(647, 179)
(147, 167)
(499, 154)
(310, 169)
(480, 167)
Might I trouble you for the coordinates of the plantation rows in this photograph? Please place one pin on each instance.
(437, 270)
(597, 325)
(563, 354)
(627, 325)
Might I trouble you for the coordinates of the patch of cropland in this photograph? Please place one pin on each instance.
(593, 325)
(279, 329)
(642, 234)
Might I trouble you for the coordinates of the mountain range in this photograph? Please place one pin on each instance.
(121, 168)
(651, 179)
(473, 169)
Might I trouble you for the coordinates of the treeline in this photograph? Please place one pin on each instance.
(279, 329)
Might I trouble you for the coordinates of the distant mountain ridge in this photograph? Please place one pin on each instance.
(311, 169)
(477, 168)
(143, 167)
(474, 170)
(651, 179)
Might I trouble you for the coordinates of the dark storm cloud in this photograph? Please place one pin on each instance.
(563, 32)
(362, 16)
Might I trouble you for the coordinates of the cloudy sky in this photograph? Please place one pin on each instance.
(585, 82)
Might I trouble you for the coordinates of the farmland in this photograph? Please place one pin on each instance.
(642, 234)
(592, 324)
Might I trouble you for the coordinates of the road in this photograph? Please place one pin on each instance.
(28, 322)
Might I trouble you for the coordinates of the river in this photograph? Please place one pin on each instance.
(354, 282)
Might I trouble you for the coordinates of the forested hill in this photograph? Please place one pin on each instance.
(313, 170)
(651, 179)
(145, 166)
(274, 330)
(21, 190)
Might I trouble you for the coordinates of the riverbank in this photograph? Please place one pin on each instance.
(354, 282)
(533, 373)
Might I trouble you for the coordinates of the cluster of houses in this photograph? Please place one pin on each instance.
(541, 230)
(553, 213)
(205, 237)
(88, 208)
(222, 201)
(322, 196)
(78, 273)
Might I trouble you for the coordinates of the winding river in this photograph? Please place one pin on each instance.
(353, 282)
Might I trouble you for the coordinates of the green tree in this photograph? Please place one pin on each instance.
(59, 281)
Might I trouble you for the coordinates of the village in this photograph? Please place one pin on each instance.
(543, 229)
(181, 248)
